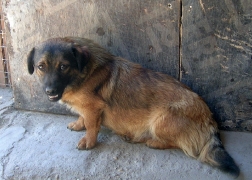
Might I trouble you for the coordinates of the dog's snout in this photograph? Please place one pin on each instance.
(50, 90)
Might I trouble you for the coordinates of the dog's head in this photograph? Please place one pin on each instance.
(58, 62)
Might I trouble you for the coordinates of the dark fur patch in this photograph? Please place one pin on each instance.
(30, 61)
(225, 161)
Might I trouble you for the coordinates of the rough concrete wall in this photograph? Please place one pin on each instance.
(142, 31)
(211, 52)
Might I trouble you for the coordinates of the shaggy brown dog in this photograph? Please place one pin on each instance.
(137, 103)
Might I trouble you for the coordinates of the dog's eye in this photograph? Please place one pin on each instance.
(41, 67)
(63, 67)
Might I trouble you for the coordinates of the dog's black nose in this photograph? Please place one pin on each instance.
(50, 90)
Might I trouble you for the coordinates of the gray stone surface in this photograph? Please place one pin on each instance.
(39, 146)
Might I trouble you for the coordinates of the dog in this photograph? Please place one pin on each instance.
(140, 105)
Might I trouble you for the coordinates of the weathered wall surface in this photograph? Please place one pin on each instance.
(217, 58)
(211, 52)
(142, 31)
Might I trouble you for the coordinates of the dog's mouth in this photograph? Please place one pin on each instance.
(54, 97)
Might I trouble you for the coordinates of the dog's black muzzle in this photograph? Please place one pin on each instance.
(54, 85)
(53, 94)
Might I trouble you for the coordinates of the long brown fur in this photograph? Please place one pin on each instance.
(136, 103)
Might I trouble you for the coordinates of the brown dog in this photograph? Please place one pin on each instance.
(137, 103)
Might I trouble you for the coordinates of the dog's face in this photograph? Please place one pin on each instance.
(58, 63)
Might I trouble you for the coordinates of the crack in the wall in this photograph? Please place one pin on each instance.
(180, 42)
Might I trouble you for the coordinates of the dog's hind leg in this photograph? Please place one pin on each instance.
(163, 130)
(77, 125)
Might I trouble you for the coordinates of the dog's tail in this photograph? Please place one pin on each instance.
(214, 154)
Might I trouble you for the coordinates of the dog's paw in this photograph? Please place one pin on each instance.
(85, 144)
(75, 126)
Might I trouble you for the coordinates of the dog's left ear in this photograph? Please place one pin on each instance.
(82, 55)
(30, 61)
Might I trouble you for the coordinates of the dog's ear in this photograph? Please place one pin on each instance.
(30, 61)
(82, 55)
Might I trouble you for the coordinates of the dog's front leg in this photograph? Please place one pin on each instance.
(92, 123)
